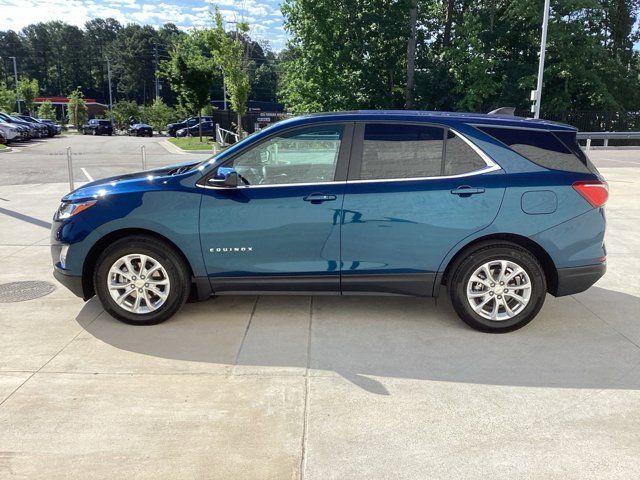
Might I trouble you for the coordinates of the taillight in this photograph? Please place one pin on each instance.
(594, 192)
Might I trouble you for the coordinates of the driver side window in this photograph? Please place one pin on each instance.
(306, 155)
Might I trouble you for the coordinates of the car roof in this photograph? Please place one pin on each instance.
(436, 116)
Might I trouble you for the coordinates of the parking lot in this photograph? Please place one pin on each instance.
(319, 388)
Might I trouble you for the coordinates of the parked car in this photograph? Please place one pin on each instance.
(3, 140)
(208, 129)
(37, 129)
(140, 130)
(26, 132)
(499, 209)
(45, 130)
(172, 128)
(57, 129)
(97, 126)
(10, 132)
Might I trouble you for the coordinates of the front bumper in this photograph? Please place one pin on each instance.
(72, 282)
(578, 279)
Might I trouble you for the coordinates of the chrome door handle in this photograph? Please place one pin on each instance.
(319, 198)
(467, 191)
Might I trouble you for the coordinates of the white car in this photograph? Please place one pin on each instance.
(9, 131)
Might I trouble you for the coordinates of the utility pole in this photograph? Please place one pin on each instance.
(15, 76)
(543, 48)
(110, 98)
(155, 47)
(411, 55)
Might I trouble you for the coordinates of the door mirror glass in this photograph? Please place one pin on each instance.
(225, 177)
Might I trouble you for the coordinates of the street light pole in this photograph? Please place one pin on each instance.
(110, 98)
(543, 48)
(15, 76)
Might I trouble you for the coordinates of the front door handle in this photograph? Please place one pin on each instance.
(467, 191)
(316, 198)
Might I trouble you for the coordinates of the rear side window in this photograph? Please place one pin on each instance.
(414, 151)
(104, 123)
(541, 147)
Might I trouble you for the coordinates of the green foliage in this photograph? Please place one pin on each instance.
(232, 56)
(77, 108)
(124, 112)
(28, 90)
(47, 110)
(192, 143)
(7, 98)
(191, 72)
(158, 114)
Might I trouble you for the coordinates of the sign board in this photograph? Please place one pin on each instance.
(263, 119)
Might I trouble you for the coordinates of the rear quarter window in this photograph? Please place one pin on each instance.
(542, 147)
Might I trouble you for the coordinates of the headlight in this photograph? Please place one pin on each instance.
(67, 210)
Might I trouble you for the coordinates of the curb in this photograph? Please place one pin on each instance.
(6, 150)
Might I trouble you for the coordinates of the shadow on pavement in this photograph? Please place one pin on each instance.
(566, 346)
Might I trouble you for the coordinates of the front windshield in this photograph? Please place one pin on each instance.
(211, 160)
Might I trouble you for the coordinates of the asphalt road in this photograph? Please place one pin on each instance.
(45, 160)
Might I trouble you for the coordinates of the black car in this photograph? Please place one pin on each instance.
(97, 127)
(208, 129)
(57, 129)
(45, 129)
(172, 128)
(140, 130)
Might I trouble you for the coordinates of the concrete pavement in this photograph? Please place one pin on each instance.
(319, 387)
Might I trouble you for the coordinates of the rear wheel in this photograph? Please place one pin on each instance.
(141, 280)
(498, 288)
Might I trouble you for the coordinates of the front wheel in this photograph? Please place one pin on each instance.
(141, 280)
(498, 288)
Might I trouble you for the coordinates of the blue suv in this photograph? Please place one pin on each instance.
(497, 208)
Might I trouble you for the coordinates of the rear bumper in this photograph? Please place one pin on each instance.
(72, 282)
(578, 279)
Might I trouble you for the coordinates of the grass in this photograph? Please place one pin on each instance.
(192, 143)
(2, 147)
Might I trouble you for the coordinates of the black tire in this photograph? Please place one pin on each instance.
(171, 261)
(466, 266)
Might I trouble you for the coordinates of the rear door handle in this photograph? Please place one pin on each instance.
(319, 198)
(467, 191)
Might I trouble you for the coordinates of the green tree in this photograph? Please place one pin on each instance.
(47, 110)
(191, 72)
(233, 57)
(158, 114)
(7, 98)
(77, 108)
(124, 112)
(28, 89)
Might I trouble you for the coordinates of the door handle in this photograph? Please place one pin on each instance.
(319, 198)
(467, 191)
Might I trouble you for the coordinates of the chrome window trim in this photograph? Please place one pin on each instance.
(491, 166)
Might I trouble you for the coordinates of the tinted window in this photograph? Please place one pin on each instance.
(414, 151)
(401, 151)
(460, 157)
(540, 146)
(308, 155)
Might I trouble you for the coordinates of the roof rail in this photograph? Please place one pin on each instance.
(503, 111)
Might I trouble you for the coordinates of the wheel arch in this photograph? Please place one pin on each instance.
(547, 263)
(91, 258)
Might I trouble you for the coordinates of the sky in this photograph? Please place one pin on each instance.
(264, 16)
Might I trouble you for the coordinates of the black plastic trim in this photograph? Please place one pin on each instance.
(578, 279)
(72, 282)
(413, 284)
(276, 283)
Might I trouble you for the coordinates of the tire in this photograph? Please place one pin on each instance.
(173, 269)
(522, 303)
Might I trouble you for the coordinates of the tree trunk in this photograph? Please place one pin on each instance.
(411, 54)
(239, 126)
(448, 21)
(200, 124)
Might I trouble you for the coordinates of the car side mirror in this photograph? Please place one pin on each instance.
(225, 177)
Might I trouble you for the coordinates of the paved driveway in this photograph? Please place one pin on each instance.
(45, 160)
(318, 387)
